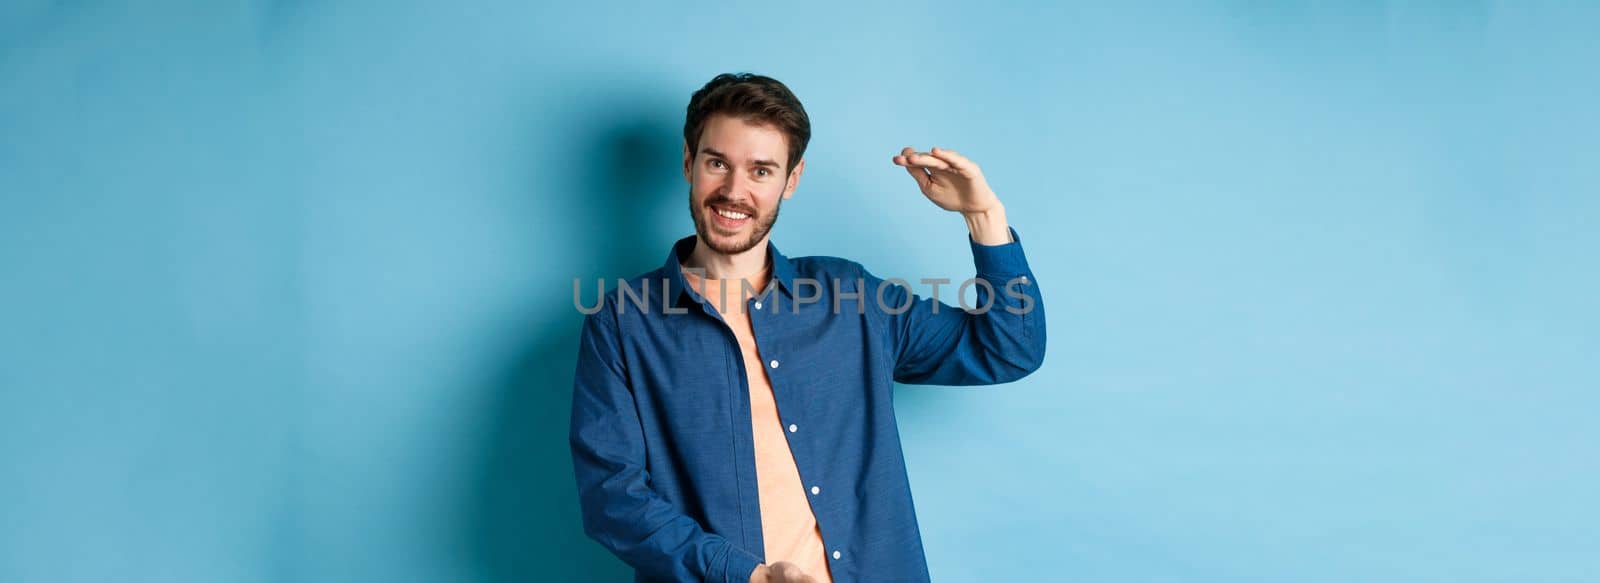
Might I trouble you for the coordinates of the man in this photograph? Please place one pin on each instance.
(732, 416)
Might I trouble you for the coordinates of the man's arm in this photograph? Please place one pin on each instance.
(937, 343)
(1004, 339)
(620, 510)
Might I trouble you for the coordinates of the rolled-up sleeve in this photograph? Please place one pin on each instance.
(620, 510)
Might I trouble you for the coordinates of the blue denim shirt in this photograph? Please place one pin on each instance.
(661, 431)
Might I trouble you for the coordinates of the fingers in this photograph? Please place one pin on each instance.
(937, 159)
(955, 160)
(920, 174)
(925, 160)
(900, 158)
(787, 572)
(917, 172)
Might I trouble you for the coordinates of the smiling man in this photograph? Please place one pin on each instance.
(733, 415)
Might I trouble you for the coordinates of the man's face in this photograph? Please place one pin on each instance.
(737, 180)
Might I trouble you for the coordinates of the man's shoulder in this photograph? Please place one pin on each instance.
(642, 292)
(824, 266)
(655, 278)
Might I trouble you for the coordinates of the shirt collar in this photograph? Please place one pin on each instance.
(782, 269)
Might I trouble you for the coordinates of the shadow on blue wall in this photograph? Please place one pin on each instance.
(523, 522)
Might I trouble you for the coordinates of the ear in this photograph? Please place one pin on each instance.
(794, 179)
(688, 164)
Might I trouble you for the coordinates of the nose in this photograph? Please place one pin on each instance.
(738, 187)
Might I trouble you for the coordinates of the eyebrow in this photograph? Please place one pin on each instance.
(758, 162)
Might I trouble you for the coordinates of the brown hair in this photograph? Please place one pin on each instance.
(753, 98)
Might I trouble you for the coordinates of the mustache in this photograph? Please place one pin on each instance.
(729, 204)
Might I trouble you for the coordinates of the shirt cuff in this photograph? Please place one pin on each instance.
(1004, 259)
(740, 565)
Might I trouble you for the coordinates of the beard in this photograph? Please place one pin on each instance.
(702, 227)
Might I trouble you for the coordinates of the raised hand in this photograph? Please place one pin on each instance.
(956, 184)
(949, 179)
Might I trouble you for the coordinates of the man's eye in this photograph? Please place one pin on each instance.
(762, 172)
(716, 164)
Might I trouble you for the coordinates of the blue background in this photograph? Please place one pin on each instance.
(287, 285)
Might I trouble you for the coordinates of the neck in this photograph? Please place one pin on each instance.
(746, 265)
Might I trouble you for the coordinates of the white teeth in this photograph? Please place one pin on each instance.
(732, 215)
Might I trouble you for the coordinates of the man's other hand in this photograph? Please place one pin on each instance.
(780, 572)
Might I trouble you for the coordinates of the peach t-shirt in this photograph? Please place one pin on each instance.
(788, 526)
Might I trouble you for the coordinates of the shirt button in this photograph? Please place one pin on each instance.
(836, 554)
(758, 305)
(816, 490)
(774, 364)
(793, 428)
(1023, 278)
